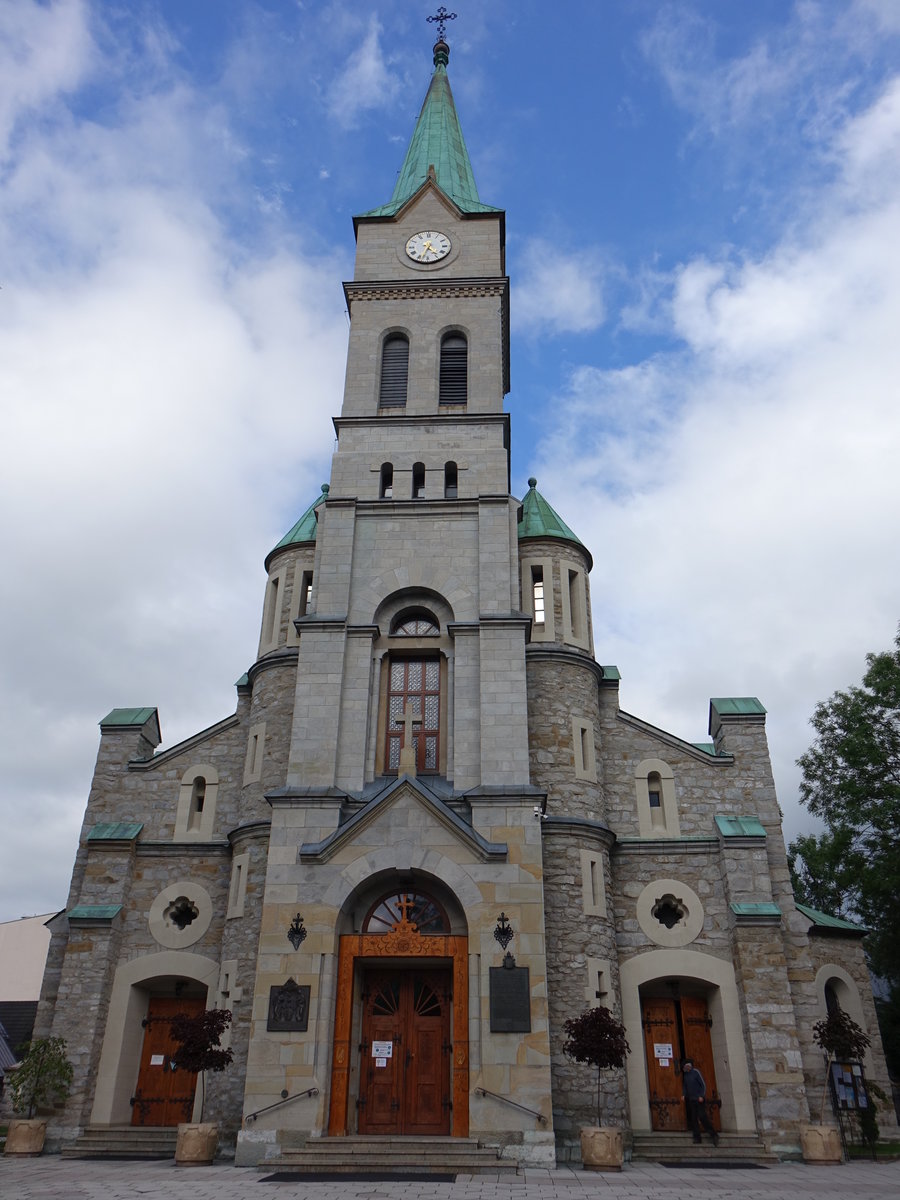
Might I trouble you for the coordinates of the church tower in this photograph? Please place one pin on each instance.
(404, 832)
(429, 835)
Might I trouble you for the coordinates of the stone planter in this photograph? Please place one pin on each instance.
(602, 1148)
(26, 1135)
(821, 1144)
(196, 1144)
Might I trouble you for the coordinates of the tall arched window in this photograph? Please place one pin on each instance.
(418, 481)
(386, 485)
(451, 481)
(454, 387)
(394, 371)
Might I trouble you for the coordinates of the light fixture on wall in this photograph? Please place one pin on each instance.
(297, 932)
(504, 932)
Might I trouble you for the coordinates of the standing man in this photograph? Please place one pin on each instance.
(695, 1098)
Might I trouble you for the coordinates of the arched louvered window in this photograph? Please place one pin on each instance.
(454, 369)
(418, 481)
(451, 481)
(394, 372)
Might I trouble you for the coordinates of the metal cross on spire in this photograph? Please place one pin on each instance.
(441, 17)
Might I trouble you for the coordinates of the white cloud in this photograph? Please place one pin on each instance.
(741, 494)
(45, 51)
(166, 393)
(365, 82)
(558, 291)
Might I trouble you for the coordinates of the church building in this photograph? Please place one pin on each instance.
(429, 834)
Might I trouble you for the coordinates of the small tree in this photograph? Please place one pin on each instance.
(43, 1078)
(199, 1046)
(597, 1038)
(840, 1037)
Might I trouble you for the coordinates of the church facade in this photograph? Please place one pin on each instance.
(429, 834)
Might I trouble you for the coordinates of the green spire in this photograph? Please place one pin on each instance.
(539, 520)
(437, 149)
(304, 530)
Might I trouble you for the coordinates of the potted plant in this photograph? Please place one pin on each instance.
(41, 1081)
(198, 1048)
(841, 1038)
(597, 1038)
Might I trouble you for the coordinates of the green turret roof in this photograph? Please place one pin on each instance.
(304, 530)
(437, 149)
(540, 520)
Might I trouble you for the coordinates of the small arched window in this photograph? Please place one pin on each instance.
(198, 798)
(394, 371)
(386, 486)
(454, 388)
(451, 481)
(418, 481)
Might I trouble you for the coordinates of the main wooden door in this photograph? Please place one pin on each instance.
(404, 1083)
(164, 1095)
(682, 1027)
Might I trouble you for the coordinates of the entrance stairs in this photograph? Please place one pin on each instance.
(123, 1141)
(734, 1149)
(357, 1155)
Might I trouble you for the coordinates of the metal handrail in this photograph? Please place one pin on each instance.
(479, 1091)
(285, 1099)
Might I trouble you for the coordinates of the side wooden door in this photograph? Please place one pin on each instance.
(696, 1023)
(660, 1023)
(164, 1095)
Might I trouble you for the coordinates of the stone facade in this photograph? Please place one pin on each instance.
(631, 868)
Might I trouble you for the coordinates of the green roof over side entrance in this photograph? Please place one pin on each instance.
(437, 142)
(304, 530)
(540, 520)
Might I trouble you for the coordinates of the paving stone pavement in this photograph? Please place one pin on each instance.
(52, 1178)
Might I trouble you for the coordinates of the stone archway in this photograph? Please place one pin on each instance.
(718, 975)
(124, 1037)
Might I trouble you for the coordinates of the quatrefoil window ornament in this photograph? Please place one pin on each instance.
(669, 911)
(182, 912)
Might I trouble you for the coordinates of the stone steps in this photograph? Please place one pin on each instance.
(356, 1154)
(680, 1147)
(123, 1141)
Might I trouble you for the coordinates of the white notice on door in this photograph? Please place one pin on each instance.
(663, 1062)
(380, 1062)
(382, 1050)
(157, 1060)
(662, 1050)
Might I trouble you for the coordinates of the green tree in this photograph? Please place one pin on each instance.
(851, 781)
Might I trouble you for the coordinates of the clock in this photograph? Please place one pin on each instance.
(428, 247)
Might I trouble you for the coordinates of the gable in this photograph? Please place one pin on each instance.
(405, 812)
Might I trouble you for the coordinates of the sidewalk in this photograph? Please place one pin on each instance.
(52, 1178)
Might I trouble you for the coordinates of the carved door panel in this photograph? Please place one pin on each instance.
(381, 1075)
(660, 1021)
(405, 1089)
(696, 1024)
(164, 1095)
(427, 1079)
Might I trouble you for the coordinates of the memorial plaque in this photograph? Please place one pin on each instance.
(510, 1000)
(289, 1008)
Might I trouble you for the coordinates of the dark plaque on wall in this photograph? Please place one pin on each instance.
(510, 998)
(289, 1008)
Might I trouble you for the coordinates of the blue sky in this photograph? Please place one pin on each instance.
(702, 214)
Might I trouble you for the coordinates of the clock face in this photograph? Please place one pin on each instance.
(428, 247)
